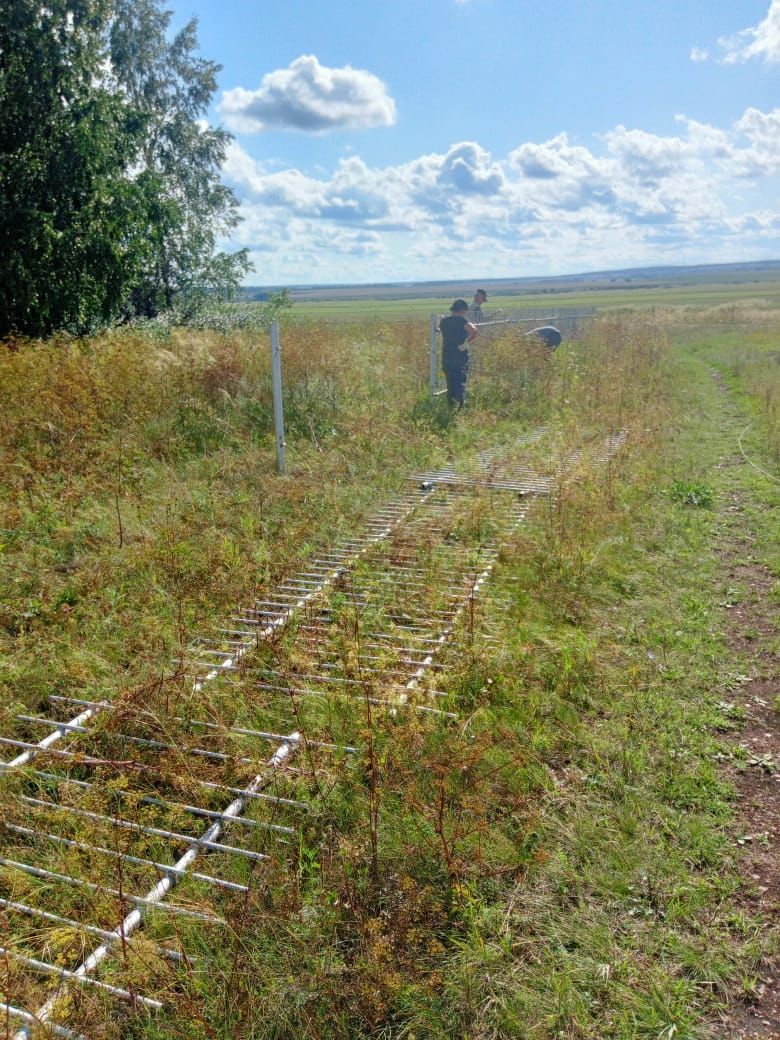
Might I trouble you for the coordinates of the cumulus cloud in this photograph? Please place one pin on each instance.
(468, 168)
(310, 97)
(558, 175)
(550, 205)
(760, 41)
(762, 130)
(646, 157)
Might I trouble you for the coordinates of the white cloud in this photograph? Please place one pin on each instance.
(468, 168)
(762, 130)
(562, 175)
(547, 206)
(760, 41)
(699, 54)
(310, 97)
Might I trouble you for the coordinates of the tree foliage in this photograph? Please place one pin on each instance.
(110, 198)
(178, 158)
(66, 218)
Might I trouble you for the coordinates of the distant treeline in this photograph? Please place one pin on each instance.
(110, 196)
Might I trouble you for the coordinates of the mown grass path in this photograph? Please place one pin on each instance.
(751, 614)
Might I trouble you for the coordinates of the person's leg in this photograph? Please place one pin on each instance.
(451, 375)
(459, 390)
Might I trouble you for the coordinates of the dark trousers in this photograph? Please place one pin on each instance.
(456, 383)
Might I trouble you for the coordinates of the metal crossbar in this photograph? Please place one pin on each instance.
(80, 926)
(140, 828)
(52, 875)
(83, 980)
(116, 854)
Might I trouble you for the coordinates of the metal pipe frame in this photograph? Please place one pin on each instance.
(321, 628)
(355, 550)
(239, 730)
(159, 745)
(392, 651)
(157, 895)
(218, 756)
(280, 755)
(449, 629)
(390, 648)
(367, 670)
(142, 828)
(31, 1020)
(45, 744)
(209, 785)
(289, 610)
(329, 680)
(361, 698)
(521, 486)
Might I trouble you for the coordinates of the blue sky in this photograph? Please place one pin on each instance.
(467, 138)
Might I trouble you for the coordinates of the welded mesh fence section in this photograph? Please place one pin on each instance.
(173, 809)
(495, 326)
(569, 320)
(507, 472)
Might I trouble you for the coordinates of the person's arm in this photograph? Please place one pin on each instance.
(472, 331)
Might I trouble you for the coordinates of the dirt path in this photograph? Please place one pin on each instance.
(751, 634)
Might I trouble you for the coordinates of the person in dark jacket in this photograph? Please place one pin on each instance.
(456, 332)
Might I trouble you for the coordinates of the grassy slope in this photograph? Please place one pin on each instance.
(628, 926)
(588, 887)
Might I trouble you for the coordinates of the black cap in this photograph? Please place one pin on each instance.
(481, 292)
(459, 305)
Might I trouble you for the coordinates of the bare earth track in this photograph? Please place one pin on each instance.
(752, 635)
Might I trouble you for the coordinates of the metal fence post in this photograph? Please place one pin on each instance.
(276, 375)
(433, 368)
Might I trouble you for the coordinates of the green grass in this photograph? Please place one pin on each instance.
(627, 924)
(560, 863)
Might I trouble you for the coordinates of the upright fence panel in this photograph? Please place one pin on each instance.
(568, 320)
(276, 375)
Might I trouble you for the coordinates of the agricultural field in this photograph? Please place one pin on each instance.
(755, 286)
(501, 708)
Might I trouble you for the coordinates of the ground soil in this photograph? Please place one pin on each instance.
(751, 633)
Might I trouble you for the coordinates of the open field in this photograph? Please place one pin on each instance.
(704, 287)
(552, 852)
(605, 300)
